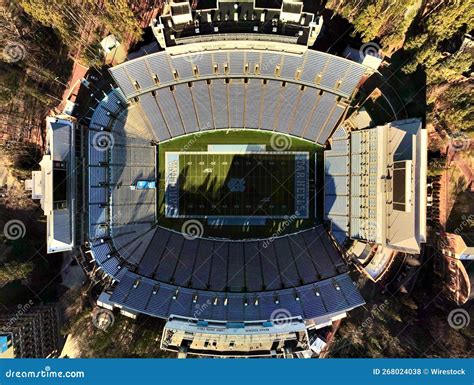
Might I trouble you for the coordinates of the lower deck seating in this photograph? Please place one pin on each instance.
(231, 266)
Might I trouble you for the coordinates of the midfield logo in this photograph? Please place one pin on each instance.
(236, 185)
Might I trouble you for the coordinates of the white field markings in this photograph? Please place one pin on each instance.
(226, 165)
(262, 179)
(258, 179)
(193, 176)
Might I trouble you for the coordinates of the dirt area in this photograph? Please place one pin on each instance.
(71, 348)
(444, 202)
(435, 141)
(455, 179)
(16, 196)
(464, 162)
(458, 176)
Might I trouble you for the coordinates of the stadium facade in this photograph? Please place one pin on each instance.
(235, 66)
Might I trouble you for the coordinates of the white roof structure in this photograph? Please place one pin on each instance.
(53, 185)
(108, 43)
(377, 189)
(230, 20)
(253, 339)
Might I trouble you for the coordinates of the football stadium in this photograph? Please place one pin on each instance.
(221, 180)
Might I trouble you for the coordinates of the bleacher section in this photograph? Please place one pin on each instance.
(303, 95)
(313, 68)
(336, 181)
(316, 301)
(126, 157)
(203, 105)
(219, 265)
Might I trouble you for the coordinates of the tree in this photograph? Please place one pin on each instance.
(51, 14)
(120, 20)
(453, 106)
(431, 34)
(81, 25)
(426, 46)
(13, 271)
(385, 20)
(9, 81)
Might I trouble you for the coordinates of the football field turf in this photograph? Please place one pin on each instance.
(255, 184)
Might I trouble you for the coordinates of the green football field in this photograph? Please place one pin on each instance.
(238, 228)
(239, 185)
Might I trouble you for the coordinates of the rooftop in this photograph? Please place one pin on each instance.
(54, 184)
(211, 20)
